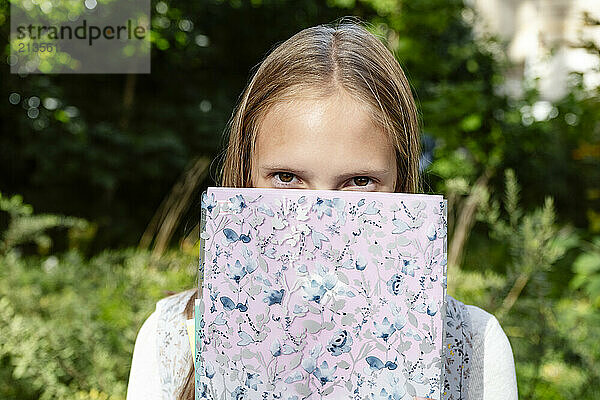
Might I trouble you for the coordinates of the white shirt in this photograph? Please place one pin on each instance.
(493, 376)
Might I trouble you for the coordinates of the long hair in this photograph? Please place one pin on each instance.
(319, 62)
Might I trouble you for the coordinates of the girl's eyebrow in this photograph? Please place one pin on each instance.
(365, 172)
(282, 168)
(359, 172)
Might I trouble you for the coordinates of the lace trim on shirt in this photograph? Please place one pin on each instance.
(174, 355)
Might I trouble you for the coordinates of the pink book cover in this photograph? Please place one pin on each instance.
(310, 294)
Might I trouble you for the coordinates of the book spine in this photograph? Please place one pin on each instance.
(197, 344)
(444, 302)
(202, 241)
(198, 309)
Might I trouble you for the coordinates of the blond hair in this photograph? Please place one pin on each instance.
(318, 62)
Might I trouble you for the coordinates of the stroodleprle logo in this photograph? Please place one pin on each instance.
(80, 36)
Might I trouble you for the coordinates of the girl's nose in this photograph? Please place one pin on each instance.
(322, 184)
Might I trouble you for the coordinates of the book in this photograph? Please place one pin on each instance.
(310, 294)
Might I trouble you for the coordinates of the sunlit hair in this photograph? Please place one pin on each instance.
(317, 63)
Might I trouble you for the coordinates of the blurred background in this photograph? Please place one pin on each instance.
(100, 178)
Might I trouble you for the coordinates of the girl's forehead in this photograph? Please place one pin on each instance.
(305, 101)
(333, 131)
(338, 117)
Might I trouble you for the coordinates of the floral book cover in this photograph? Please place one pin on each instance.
(310, 294)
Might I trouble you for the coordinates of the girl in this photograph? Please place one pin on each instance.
(330, 108)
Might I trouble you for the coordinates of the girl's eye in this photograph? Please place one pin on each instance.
(285, 177)
(361, 180)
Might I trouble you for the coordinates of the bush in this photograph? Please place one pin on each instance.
(68, 324)
(552, 326)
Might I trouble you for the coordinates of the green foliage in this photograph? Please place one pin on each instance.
(587, 271)
(558, 154)
(554, 338)
(67, 323)
(24, 227)
(533, 239)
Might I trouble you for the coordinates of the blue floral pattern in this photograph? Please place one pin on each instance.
(321, 294)
(458, 348)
